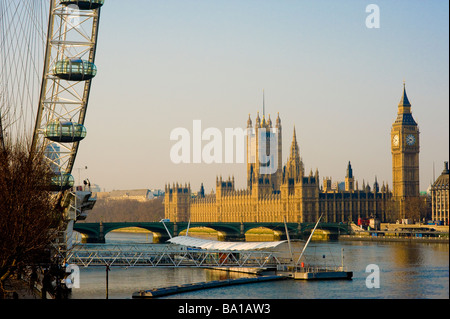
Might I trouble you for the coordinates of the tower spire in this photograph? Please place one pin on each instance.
(404, 115)
(295, 153)
(404, 100)
(294, 166)
(349, 170)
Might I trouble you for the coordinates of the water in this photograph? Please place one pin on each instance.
(407, 271)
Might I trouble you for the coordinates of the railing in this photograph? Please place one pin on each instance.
(310, 268)
(316, 269)
(167, 256)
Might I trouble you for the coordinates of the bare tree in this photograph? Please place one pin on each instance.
(127, 210)
(30, 219)
(416, 208)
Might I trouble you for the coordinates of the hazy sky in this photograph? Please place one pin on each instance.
(164, 63)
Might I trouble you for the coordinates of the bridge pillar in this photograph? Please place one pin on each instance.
(101, 233)
(94, 240)
(160, 238)
(234, 237)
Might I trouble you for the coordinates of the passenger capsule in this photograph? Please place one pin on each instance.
(61, 182)
(65, 132)
(75, 69)
(84, 4)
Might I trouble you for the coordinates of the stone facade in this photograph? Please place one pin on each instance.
(440, 197)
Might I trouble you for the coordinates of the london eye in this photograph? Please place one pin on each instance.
(47, 56)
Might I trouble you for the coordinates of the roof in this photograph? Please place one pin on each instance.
(443, 179)
(404, 100)
(222, 245)
(405, 118)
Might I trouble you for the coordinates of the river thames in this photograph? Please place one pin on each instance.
(406, 271)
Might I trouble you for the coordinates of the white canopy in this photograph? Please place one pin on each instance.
(222, 245)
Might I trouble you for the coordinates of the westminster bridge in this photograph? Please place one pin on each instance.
(96, 232)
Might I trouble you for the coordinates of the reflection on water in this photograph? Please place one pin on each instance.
(406, 271)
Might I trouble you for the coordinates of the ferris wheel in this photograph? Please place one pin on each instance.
(48, 107)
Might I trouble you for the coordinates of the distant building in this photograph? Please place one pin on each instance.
(140, 195)
(440, 197)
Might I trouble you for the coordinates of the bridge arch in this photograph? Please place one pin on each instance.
(229, 231)
(90, 232)
(278, 228)
(263, 234)
(158, 230)
(134, 234)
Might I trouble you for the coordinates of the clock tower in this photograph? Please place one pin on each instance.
(405, 154)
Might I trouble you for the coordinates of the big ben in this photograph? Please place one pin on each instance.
(405, 150)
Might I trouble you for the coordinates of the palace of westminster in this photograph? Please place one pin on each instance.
(287, 193)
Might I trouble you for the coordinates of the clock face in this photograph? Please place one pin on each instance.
(395, 140)
(410, 140)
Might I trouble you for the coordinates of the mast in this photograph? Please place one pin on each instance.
(309, 239)
(264, 106)
(288, 238)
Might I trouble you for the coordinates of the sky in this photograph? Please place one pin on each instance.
(164, 63)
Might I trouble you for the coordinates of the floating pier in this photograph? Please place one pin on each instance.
(315, 272)
(161, 292)
(323, 275)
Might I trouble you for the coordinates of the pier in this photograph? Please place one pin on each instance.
(161, 292)
(322, 274)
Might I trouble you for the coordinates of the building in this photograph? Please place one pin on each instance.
(440, 197)
(405, 155)
(140, 195)
(276, 193)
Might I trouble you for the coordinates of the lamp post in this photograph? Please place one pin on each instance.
(107, 283)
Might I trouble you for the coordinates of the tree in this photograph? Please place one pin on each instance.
(415, 208)
(127, 210)
(30, 218)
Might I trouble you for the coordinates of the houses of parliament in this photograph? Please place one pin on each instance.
(289, 193)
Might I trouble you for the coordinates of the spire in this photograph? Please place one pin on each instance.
(294, 146)
(249, 121)
(404, 100)
(278, 120)
(404, 115)
(294, 167)
(349, 170)
(375, 185)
